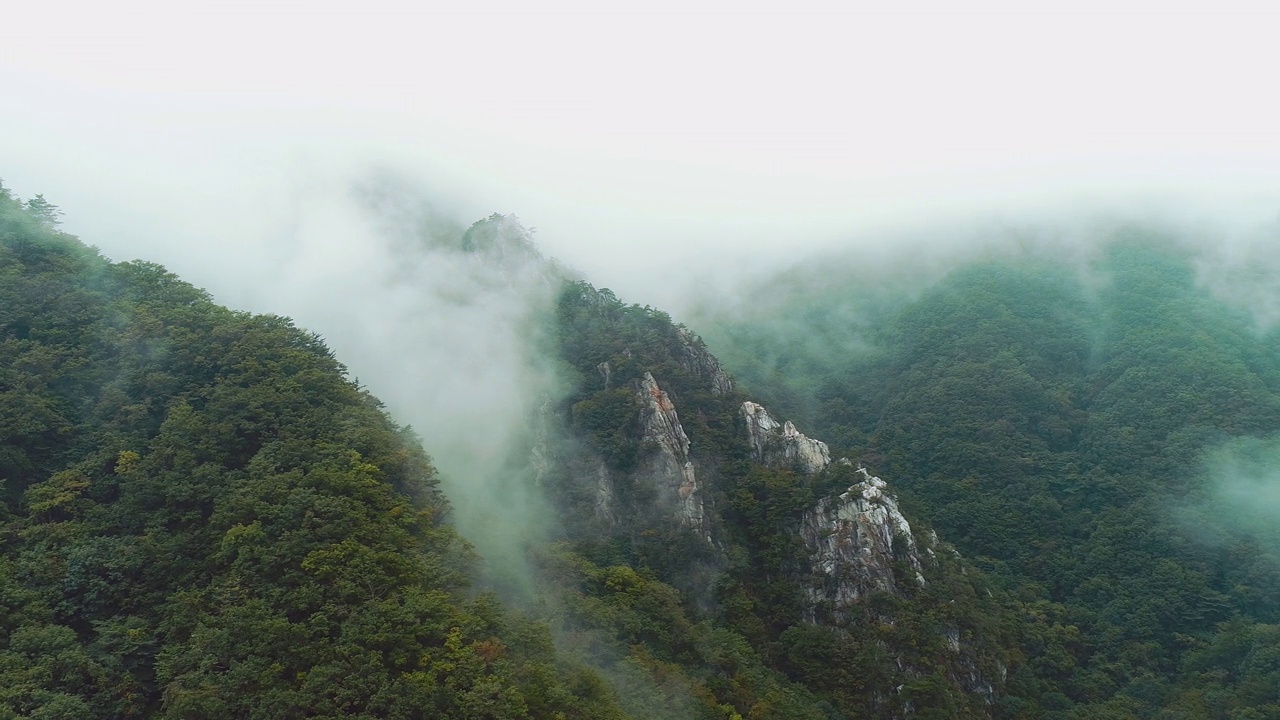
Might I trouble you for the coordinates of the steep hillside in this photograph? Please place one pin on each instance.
(1062, 430)
(806, 566)
(1021, 492)
(204, 517)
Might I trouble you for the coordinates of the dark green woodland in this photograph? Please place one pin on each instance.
(202, 515)
(1086, 440)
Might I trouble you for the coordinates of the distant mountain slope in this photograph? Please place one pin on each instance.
(1056, 427)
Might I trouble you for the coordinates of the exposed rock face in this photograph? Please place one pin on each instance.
(668, 466)
(695, 358)
(782, 445)
(604, 495)
(853, 540)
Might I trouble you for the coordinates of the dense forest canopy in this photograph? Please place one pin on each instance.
(1070, 433)
(202, 515)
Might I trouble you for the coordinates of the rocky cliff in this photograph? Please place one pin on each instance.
(667, 464)
(857, 542)
(655, 469)
(782, 445)
(854, 540)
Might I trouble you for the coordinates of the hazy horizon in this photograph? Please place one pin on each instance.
(650, 147)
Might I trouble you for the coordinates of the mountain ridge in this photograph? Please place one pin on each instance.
(203, 516)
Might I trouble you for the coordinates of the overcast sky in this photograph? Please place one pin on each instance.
(632, 135)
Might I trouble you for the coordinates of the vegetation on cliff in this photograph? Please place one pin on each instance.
(202, 515)
(1064, 427)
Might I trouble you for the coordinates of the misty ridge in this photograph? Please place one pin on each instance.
(1074, 415)
(1233, 261)
(454, 313)
(569, 360)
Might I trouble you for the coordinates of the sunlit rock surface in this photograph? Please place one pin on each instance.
(782, 445)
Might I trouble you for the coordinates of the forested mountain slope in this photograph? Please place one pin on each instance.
(204, 517)
(1070, 433)
(795, 586)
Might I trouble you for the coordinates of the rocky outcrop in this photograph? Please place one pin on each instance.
(857, 543)
(782, 445)
(605, 504)
(668, 465)
(694, 357)
(853, 541)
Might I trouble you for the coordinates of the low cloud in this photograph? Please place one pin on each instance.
(446, 338)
